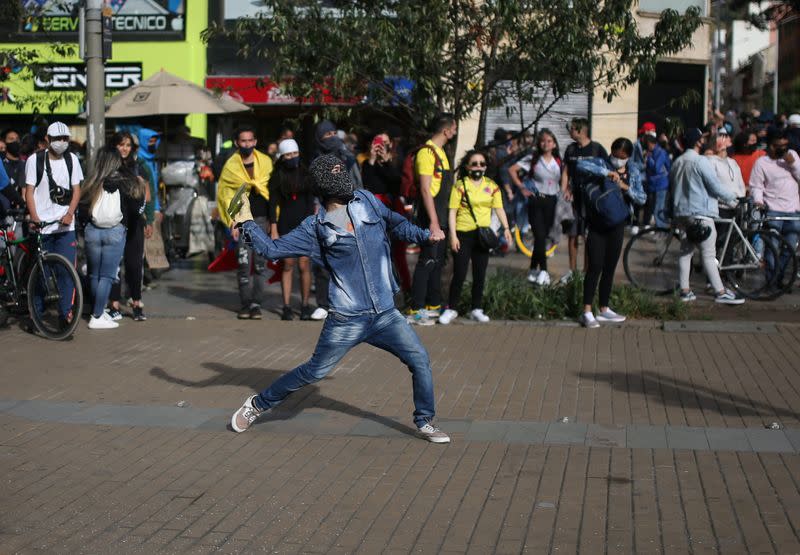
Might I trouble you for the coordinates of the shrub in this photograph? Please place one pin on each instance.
(508, 296)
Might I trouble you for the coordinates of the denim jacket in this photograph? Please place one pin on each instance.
(695, 187)
(360, 263)
(657, 167)
(601, 168)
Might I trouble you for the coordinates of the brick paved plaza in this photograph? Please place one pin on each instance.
(117, 442)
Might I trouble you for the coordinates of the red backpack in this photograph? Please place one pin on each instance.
(409, 180)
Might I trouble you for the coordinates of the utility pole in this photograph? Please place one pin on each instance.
(95, 77)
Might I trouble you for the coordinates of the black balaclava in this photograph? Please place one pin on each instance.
(331, 144)
(331, 178)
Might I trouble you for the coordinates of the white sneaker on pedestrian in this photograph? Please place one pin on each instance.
(566, 278)
(432, 434)
(588, 320)
(634, 229)
(102, 323)
(543, 278)
(608, 316)
(246, 415)
(319, 313)
(114, 314)
(533, 276)
(728, 297)
(448, 316)
(688, 296)
(432, 313)
(478, 315)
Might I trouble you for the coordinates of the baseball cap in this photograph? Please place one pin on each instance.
(287, 146)
(58, 129)
(794, 120)
(692, 136)
(722, 130)
(647, 127)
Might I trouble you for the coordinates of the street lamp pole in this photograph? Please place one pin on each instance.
(95, 78)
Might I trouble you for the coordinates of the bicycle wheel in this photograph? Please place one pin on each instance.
(751, 276)
(784, 268)
(526, 246)
(55, 296)
(651, 260)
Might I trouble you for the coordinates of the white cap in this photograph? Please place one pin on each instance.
(794, 120)
(287, 146)
(58, 129)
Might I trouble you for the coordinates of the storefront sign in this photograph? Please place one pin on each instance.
(131, 19)
(261, 91)
(72, 77)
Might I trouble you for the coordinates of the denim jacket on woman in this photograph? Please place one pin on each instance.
(360, 264)
(602, 168)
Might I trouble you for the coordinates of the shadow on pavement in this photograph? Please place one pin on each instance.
(681, 393)
(256, 377)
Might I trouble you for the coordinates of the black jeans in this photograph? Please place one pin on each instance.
(133, 263)
(541, 215)
(426, 287)
(470, 249)
(603, 248)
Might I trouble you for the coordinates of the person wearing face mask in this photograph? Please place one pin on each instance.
(52, 193)
(695, 194)
(472, 200)
(657, 166)
(250, 166)
(291, 202)
(350, 235)
(727, 170)
(620, 176)
(745, 153)
(775, 184)
(14, 168)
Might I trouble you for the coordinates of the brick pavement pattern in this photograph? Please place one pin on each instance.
(665, 448)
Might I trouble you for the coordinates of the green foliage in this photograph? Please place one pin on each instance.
(462, 54)
(508, 296)
(20, 64)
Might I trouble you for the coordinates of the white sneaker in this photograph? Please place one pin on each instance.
(588, 320)
(319, 313)
(448, 316)
(478, 315)
(609, 316)
(566, 278)
(533, 276)
(634, 229)
(431, 313)
(102, 323)
(419, 318)
(245, 416)
(543, 278)
(433, 434)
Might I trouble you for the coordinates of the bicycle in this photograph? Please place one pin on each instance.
(651, 259)
(756, 219)
(32, 284)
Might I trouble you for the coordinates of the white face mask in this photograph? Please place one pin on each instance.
(59, 147)
(618, 163)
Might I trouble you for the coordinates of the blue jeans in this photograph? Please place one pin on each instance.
(104, 249)
(388, 331)
(655, 207)
(63, 243)
(790, 230)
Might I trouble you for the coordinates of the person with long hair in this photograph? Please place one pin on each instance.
(112, 198)
(138, 230)
(292, 202)
(472, 200)
(604, 240)
(540, 188)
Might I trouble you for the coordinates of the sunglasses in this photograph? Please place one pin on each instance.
(477, 164)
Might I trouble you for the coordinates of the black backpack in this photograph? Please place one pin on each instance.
(58, 194)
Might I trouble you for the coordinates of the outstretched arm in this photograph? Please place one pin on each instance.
(399, 227)
(301, 241)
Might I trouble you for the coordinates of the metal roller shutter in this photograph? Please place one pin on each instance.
(508, 116)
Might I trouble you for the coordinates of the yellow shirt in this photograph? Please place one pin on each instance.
(425, 164)
(234, 174)
(483, 197)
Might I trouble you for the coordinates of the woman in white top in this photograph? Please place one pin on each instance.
(728, 172)
(540, 187)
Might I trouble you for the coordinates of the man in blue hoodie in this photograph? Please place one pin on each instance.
(148, 146)
(657, 166)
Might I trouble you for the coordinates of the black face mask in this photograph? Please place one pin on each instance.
(13, 148)
(476, 174)
(246, 151)
(151, 149)
(751, 148)
(781, 152)
(292, 163)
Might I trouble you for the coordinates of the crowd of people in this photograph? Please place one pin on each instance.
(520, 179)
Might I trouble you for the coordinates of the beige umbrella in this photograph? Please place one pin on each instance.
(165, 93)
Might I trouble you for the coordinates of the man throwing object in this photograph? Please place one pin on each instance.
(350, 237)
